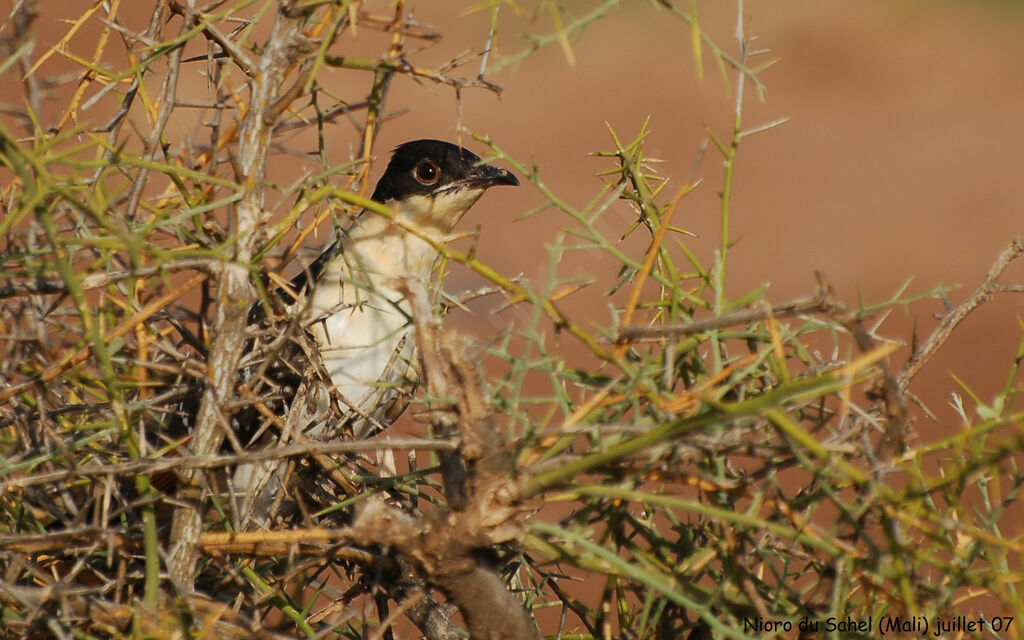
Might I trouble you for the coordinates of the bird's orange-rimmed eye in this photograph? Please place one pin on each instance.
(427, 172)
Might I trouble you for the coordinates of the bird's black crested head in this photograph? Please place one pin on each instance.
(434, 167)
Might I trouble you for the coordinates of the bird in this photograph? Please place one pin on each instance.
(350, 299)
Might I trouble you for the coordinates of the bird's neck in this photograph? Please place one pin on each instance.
(390, 250)
(404, 245)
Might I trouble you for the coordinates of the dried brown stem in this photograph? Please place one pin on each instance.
(160, 465)
(99, 280)
(816, 303)
(949, 322)
(230, 49)
(284, 47)
(167, 93)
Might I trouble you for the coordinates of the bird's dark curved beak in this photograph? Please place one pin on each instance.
(486, 176)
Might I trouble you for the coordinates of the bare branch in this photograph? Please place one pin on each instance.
(285, 46)
(816, 303)
(950, 320)
(159, 465)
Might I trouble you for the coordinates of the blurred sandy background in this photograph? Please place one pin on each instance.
(900, 158)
